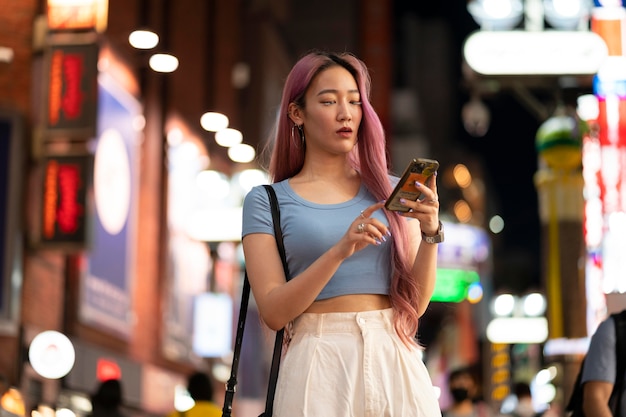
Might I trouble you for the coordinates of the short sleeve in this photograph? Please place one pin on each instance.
(600, 360)
(257, 216)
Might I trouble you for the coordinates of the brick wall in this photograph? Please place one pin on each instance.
(16, 32)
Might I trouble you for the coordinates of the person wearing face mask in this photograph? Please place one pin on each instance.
(463, 388)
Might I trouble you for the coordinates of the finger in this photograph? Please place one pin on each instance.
(432, 182)
(434, 201)
(376, 230)
(366, 213)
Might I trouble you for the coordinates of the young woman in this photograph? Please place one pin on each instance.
(360, 276)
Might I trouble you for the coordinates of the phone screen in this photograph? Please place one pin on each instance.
(418, 170)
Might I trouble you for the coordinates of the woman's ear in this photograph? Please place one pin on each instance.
(295, 113)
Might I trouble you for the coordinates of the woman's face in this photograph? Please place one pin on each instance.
(332, 112)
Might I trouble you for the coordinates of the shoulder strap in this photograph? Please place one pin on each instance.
(278, 233)
(243, 310)
(278, 343)
(619, 319)
(232, 381)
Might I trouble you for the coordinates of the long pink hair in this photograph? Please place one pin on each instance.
(369, 158)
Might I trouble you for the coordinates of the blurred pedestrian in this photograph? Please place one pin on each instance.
(107, 400)
(200, 388)
(524, 406)
(599, 373)
(463, 387)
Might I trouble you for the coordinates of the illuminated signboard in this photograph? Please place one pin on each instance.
(461, 260)
(535, 53)
(71, 90)
(64, 200)
(77, 14)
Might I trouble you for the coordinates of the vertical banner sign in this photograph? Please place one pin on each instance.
(71, 90)
(64, 201)
(108, 268)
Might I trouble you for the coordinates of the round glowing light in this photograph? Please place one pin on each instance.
(497, 9)
(503, 305)
(462, 211)
(496, 14)
(241, 153)
(534, 305)
(163, 63)
(228, 137)
(587, 107)
(143, 39)
(475, 292)
(496, 224)
(462, 175)
(51, 354)
(65, 412)
(213, 121)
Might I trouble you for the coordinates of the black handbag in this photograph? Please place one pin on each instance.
(245, 295)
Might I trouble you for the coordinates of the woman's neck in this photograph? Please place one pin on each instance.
(326, 170)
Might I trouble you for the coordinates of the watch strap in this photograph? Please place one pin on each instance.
(437, 238)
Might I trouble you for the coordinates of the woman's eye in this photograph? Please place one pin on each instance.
(327, 102)
(356, 102)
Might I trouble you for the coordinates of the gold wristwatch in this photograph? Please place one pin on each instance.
(438, 238)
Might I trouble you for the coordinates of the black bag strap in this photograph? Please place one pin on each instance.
(232, 381)
(619, 319)
(278, 343)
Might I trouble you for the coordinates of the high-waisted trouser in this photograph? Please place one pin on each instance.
(352, 365)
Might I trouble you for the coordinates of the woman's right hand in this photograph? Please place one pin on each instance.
(363, 231)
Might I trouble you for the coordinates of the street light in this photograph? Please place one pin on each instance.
(143, 39)
(163, 62)
(496, 14)
(566, 14)
(518, 319)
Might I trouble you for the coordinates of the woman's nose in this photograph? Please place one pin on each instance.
(344, 112)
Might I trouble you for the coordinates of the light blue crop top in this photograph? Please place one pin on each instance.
(310, 229)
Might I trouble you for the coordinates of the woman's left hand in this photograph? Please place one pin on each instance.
(425, 209)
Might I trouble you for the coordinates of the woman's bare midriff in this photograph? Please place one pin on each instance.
(350, 303)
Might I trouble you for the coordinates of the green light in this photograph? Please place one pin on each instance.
(452, 284)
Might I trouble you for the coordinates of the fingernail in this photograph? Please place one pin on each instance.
(378, 242)
(388, 232)
(435, 174)
(402, 201)
(417, 184)
(383, 238)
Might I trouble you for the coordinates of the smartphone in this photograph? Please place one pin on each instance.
(419, 169)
